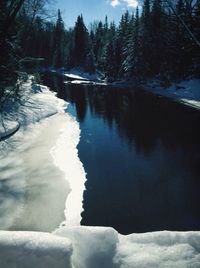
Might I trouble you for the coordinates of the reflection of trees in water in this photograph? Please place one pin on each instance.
(141, 118)
(142, 195)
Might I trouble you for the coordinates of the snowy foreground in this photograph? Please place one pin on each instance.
(42, 148)
(186, 92)
(98, 247)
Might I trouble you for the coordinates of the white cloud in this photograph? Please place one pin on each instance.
(130, 3)
(115, 3)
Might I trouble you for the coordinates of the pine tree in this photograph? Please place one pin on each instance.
(132, 62)
(110, 65)
(80, 50)
(58, 43)
(157, 51)
(196, 53)
(99, 45)
(146, 38)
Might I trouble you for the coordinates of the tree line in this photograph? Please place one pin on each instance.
(160, 39)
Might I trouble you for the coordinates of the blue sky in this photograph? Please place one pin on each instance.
(93, 9)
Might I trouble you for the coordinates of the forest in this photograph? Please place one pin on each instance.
(159, 39)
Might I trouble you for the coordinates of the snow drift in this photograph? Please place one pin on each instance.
(99, 247)
(34, 250)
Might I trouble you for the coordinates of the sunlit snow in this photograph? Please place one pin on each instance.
(34, 250)
(99, 247)
(34, 186)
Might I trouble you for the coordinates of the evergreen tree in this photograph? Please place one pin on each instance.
(196, 53)
(80, 50)
(110, 65)
(146, 38)
(158, 42)
(99, 45)
(157, 38)
(58, 43)
(106, 24)
(132, 62)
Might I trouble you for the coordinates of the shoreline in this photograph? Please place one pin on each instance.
(65, 157)
(30, 163)
(38, 186)
(154, 86)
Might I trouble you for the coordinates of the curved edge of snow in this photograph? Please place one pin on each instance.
(66, 158)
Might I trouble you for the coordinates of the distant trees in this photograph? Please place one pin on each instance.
(161, 40)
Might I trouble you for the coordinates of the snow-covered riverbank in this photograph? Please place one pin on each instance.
(34, 185)
(186, 92)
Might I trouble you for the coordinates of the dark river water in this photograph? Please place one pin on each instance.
(141, 154)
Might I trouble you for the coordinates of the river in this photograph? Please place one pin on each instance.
(141, 154)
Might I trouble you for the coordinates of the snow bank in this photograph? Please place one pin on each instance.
(86, 82)
(99, 247)
(34, 250)
(37, 102)
(159, 249)
(39, 165)
(23, 159)
(96, 247)
(75, 74)
(93, 247)
(186, 92)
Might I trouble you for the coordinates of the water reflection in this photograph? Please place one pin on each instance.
(141, 154)
(135, 113)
